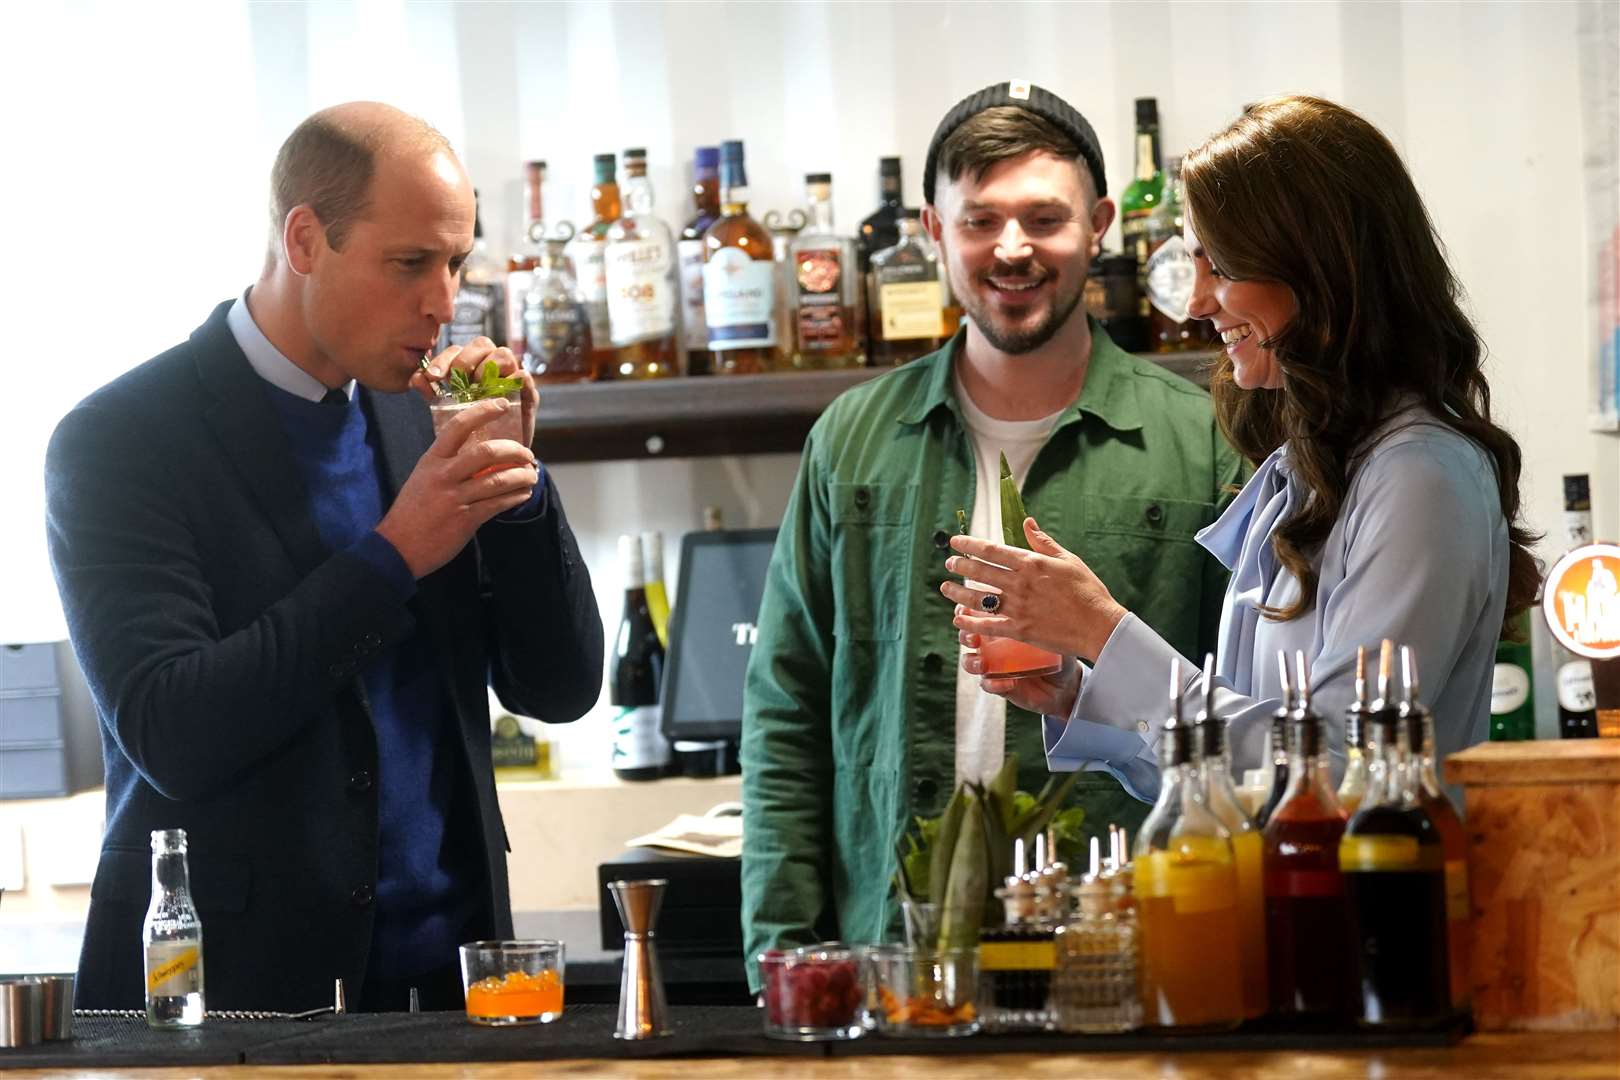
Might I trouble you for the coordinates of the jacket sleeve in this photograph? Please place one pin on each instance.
(786, 748)
(190, 705)
(544, 628)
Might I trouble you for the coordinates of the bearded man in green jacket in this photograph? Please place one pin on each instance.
(858, 715)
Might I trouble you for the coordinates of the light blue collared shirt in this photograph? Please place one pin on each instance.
(271, 363)
(1419, 554)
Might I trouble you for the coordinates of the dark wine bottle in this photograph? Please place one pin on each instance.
(640, 751)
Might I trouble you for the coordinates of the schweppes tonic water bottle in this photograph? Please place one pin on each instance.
(172, 936)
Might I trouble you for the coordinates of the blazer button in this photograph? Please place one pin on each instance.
(862, 497)
(360, 781)
(362, 896)
(932, 662)
(1155, 513)
(942, 539)
(371, 641)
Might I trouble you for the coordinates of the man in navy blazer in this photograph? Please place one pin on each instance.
(289, 598)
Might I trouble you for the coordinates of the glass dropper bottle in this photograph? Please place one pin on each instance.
(1215, 781)
(1312, 967)
(1353, 788)
(1453, 840)
(1278, 743)
(1186, 896)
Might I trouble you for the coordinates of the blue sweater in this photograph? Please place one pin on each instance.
(427, 880)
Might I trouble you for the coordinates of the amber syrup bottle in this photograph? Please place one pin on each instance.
(1279, 746)
(1394, 877)
(1185, 881)
(1311, 965)
(1215, 777)
(1453, 840)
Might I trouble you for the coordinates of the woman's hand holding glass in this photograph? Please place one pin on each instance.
(1047, 597)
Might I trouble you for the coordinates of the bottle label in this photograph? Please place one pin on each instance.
(1510, 688)
(637, 742)
(640, 291)
(1384, 853)
(474, 315)
(694, 330)
(1017, 955)
(1576, 692)
(1577, 528)
(553, 326)
(590, 270)
(738, 298)
(1304, 883)
(1170, 271)
(518, 283)
(911, 309)
(173, 968)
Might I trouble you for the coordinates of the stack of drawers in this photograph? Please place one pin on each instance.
(33, 757)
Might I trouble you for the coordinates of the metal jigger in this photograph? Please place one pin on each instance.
(643, 1012)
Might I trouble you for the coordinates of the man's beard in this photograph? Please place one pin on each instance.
(1019, 341)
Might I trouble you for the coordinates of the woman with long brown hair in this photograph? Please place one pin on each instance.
(1385, 501)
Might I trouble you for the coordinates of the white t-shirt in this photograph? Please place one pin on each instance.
(981, 718)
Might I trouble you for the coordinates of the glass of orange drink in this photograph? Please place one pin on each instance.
(512, 982)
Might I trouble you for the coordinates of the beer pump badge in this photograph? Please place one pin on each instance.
(1581, 601)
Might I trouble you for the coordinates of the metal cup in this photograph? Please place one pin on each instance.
(643, 1012)
(56, 1017)
(22, 1012)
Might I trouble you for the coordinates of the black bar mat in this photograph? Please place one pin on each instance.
(106, 1041)
(1258, 1035)
(583, 1031)
(586, 1031)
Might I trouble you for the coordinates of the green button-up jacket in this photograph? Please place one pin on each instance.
(849, 718)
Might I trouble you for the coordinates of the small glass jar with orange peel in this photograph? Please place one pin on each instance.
(512, 982)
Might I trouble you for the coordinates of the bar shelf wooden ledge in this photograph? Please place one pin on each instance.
(699, 417)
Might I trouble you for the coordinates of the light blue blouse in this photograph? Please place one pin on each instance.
(1419, 554)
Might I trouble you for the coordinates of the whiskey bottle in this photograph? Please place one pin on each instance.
(480, 305)
(1220, 795)
(881, 228)
(907, 299)
(1169, 276)
(1309, 955)
(635, 677)
(706, 199)
(589, 255)
(826, 292)
(525, 255)
(1577, 695)
(556, 330)
(643, 292)
(1185, 880)
(739, 278)
(1392, 859)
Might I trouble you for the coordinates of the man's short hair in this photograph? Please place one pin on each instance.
(1001, 133)
(328, 165)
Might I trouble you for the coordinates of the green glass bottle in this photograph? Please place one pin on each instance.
(1513, 714)
(1143, 196)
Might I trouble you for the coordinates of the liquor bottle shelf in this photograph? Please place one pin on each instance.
(700, 417)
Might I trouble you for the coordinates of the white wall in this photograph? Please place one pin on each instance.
(142, 153)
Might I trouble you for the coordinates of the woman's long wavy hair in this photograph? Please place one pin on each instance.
(1304, 192)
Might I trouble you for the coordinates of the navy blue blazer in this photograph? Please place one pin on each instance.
(222, 643)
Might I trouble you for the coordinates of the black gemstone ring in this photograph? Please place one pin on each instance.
(991, 602)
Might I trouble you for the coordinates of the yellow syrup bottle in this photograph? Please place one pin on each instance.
(1215, 784)
(1186, 889)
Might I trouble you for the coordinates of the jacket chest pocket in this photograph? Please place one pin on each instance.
(871, 552)
(1143, 549)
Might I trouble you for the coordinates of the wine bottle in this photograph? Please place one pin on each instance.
(640, 751)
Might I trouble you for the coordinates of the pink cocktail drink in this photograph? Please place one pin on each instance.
(505, 425)
(1006, 658)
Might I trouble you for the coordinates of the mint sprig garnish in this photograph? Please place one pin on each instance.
(489, 384)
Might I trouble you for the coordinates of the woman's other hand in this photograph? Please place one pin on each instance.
(1047, 597)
